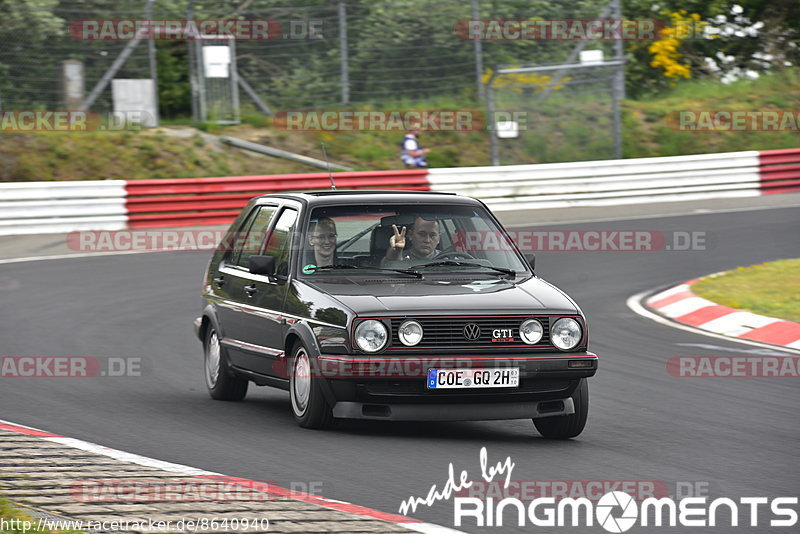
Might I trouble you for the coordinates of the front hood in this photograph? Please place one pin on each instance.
(432, 296)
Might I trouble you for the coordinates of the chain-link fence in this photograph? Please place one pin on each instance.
(327, 54)
(574, 121)
(35, 41)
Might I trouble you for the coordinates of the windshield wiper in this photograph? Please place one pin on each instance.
(457, 263)
(336, 266)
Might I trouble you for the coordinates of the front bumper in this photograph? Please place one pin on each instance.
(454, 412)
(395, 389)
(566, 365)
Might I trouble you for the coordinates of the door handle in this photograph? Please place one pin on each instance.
(250, 290)
(219, 281)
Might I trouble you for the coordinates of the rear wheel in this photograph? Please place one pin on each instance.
(221, 383)
(567, 426)
(309, 406)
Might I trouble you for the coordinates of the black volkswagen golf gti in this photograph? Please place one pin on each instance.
(391, 306)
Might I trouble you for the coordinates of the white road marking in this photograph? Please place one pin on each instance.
(128, 457)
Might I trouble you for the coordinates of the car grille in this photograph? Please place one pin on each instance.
(442, 332)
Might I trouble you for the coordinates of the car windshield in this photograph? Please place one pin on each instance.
(432, 238)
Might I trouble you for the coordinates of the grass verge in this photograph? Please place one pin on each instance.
(15, 521)
(771, 289)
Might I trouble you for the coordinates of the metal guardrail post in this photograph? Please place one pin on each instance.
(618, 88)
(151, 56)
(343, 53)
(478, 57)
(247, 88)
(276, 152)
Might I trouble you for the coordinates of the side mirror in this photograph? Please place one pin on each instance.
(531, 259)
(264, 265)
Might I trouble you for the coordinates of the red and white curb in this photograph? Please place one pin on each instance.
(680, 304)
(331, 504)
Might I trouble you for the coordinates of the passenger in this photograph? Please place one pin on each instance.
(322, 238)
(424, 237)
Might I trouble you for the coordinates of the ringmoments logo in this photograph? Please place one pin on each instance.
(615, 511)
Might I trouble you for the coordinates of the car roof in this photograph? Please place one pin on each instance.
(329, 197)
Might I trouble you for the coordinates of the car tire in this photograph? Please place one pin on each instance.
(309, 407)
(567, 426)
(221, 382)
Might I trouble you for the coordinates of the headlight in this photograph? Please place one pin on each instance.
(410, 333)
(371, 335)
(566, 333)
(531, 331)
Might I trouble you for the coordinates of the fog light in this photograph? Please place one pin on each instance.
(410, 333)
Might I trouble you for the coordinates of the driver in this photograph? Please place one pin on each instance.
(322, 238)
(424, 237)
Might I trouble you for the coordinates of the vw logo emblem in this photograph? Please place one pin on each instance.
(472, 331)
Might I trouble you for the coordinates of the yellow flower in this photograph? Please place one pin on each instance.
(665, 51)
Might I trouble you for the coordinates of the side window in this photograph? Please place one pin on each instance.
(280, 239)
(253, 239)
(235, 239)
(241, 239)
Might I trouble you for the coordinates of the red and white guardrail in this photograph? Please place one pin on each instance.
(55, 207)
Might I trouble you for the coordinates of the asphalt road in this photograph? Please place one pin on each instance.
(731, 437)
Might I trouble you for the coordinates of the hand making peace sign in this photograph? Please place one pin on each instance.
(398, 240)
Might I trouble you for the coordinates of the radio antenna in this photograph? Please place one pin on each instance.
(328, 163)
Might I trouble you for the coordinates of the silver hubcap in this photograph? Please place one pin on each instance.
(212, 360)
(301, 382)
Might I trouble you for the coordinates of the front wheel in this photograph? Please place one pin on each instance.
(221, 383)
(309, 406)
(567, 426)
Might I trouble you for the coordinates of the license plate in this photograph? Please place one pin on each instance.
(506, 377)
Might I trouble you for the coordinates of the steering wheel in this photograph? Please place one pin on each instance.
(454, 255)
